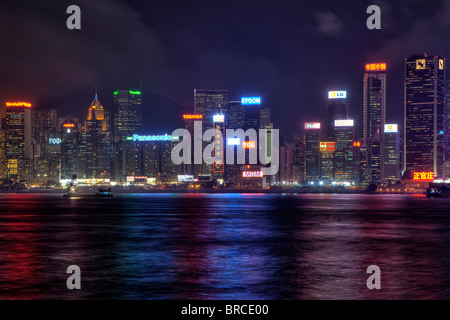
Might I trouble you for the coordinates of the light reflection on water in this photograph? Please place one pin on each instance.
(224, 246)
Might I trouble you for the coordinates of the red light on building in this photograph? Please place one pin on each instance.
(376, 67)
(249, 145)
(69, 125)
(192, 116)
(18, 104)
(357, 144)
(421, 176)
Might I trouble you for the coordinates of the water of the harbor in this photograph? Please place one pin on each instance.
(224, 246)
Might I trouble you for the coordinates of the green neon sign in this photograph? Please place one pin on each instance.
(129, 138)
(134, 92)
(116, 92)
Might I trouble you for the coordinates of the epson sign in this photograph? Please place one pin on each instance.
(250, 100)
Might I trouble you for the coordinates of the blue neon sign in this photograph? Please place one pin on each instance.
(250, 100)
(165, 137)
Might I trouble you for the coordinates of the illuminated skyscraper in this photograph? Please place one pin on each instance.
(298, 159)
(3, 171)
(391, 164)
(70, 149)
(374, 117)
(343, 157)
(446, 170)
(208, 103)
(46, 146)
(312, 150)
(424, 114)
(337, 110)
(127, 121)
(98, 142)
(18, 139)
(327, 150)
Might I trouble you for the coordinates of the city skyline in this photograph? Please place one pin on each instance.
(247, 61)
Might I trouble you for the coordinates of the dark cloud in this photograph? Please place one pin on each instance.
(291, 52)
(328, 23)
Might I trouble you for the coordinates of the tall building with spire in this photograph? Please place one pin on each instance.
(98, 142)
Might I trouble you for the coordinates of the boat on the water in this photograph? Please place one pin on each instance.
(104, 193)
(438, 190)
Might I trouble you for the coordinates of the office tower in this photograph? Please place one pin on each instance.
(343, 157)
(18, 139)
(98, 142)
(208, 103)
(46, 143)
(376, 155)
(424, 114)
(285, 171)
(298, 159)
(446, 169)
(3, 171)
(153, 158)
(337, 110)
(312, 150)
(374, 118)
(219, 147)
(236, 115)
(127, 121)
(391, 164)
(234, 120)
(70, 149)
(327, 150)
(264, 120)
(357, 168)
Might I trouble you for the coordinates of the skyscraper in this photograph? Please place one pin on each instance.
(98, 142)
(70, 149)
(208, 103)
(18, 139)
(446, 170)
(424, 114)
(298, 159)
(337, 110)
(312, 150)
(327, 150)
(343, 157)
(374, 118)
(127, 121)
(391, 164)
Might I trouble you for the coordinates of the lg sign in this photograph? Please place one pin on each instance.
(337, 94)
(250, 100)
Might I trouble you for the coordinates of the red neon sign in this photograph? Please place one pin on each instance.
(375, 66)
(18, 104)
(68, 125)
(249, 145)
(356, 144)
(192, 116)
(423, 176)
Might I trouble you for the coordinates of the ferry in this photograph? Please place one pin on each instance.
(438, 189)
(104, 193)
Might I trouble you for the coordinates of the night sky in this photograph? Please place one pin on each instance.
(288, 52)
